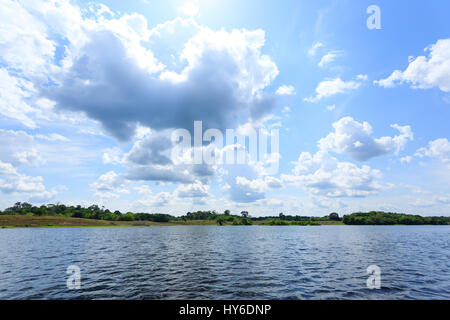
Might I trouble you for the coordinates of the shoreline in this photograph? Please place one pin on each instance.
(25, 221)
(48, 222)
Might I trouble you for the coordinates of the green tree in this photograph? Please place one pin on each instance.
(334, 216)
(244, 214)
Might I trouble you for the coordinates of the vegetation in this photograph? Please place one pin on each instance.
(279, 222)
(104, 216)
(389, 218)
(242, 222)
(331, 217)
(94, 212)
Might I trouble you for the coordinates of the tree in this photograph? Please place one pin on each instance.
(220, 220)
(227, 212)
(334, 216)
(244, 214)
(281, 216)
(42, 211)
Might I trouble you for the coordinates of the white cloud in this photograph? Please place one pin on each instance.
(221, 82)
(109, 185)
(439, 149)
(314, 48)
(331, 107)
(286, 110)
(354, 138)
(332, 87)
(159, 200)
(363, 77)
(194, 190)
(221, 75)
(329, 58)
(23, 38)
(144, 190)
(53, 137)
(112, 156)
(18, 148)
(285, 90)
(100, 9)
(406, 159)
(259, 185)
(14, 183)
(425, 72)
(14, 93)
(324, 175)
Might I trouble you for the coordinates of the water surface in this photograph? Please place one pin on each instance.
(326, 262)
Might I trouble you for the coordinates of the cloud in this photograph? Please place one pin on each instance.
(144, 190)
(112, 156)
(194, 190)
(425, 72)
(329, 58)
(109, 185)
(153, 149)
(53, 137)
(24, 38)
(14, 93)
(159, 200)
(314, 48)
(328, 88)
(286, 91)
(114, 69)
(100, 9)
(18, 148)
(363, 77)
(406, 159)
(222, 81)
(14, 183)
(252, 187)
(286, 110)
(323, 175)
(259, 185)
(439, 149)
(354, 139)
(150, 159)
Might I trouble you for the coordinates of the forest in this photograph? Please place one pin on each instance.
(390, 218)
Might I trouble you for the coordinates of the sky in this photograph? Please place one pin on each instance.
(353, 97)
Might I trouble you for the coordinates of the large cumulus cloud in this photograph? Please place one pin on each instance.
(221, 83)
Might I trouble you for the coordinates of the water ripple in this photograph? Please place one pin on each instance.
(327, 262)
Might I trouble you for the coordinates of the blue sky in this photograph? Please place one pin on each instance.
(91, 91)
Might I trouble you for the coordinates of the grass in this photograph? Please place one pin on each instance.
(24, 221)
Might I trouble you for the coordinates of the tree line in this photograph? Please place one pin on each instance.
(100, 213)
(390, 218)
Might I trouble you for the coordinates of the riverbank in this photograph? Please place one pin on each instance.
(24, 221)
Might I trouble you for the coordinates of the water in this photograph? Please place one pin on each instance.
(327, 262)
